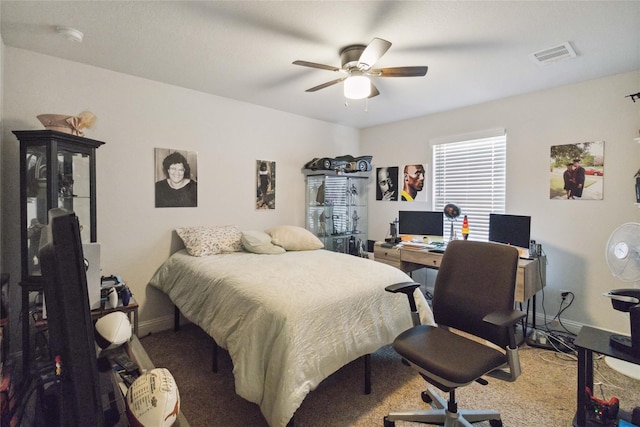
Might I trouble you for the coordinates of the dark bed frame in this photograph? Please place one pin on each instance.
(214, 357)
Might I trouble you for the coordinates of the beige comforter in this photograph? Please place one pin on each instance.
(291, 320)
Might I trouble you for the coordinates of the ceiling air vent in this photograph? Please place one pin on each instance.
(554, 54)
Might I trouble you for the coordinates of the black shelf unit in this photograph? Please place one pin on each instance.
(57, 169)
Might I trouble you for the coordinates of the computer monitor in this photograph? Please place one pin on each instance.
(421, 223)
(512, 230)
(69, 321)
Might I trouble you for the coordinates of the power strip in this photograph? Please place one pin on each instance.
(540, 339)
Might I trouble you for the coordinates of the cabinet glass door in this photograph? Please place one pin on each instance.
(37, 205)
(337, 212)
(57, 172)
(74, 188)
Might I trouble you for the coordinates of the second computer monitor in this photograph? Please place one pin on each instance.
(513, 230)
(421, 223)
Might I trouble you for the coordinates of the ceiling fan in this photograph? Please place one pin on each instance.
(357, 64)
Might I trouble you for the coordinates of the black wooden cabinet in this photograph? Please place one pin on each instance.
(57, 170)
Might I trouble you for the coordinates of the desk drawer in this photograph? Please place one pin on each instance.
(389, 256)
(426, 258)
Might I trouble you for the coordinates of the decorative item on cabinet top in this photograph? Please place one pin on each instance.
(68, 124)
(346, 163)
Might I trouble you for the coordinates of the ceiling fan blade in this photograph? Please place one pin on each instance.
(399, 72)
(315, 65)
(372, 53)
(374, 91)
(327, 84)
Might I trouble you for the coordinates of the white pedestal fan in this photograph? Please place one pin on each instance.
(623, 258)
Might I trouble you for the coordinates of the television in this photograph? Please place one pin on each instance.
(71, 333)
(421, 223)
(512, 230)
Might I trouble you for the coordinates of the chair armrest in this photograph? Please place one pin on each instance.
(407, 288)
(404, 287)
(504, 318)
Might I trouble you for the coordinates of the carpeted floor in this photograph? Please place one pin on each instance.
(544, 395)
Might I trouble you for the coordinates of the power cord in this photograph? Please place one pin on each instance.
(561, 310)
(549, 339)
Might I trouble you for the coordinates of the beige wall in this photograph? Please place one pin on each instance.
(573, 233)
(137, 115)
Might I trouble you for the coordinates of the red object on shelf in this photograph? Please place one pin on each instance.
(7, 396)
(465, 228)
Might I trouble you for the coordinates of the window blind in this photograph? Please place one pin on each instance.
(471, 174)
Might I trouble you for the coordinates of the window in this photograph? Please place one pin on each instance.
(471, 173)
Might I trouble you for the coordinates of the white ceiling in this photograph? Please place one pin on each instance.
(476, 51)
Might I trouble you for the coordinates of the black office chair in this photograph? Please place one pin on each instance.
(473, 293)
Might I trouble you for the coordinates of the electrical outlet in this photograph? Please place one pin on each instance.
(555, 322)
(564, 291)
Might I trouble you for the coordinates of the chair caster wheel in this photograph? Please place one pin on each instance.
(426, 398)
(388, 423)
(495, 423)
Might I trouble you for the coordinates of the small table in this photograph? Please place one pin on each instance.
(592, 340)
(27, 321)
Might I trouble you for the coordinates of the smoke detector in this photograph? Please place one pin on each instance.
(70, 33)
(553, 54)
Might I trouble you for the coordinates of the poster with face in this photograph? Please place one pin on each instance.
(577, 171)
(413, 183)
(266, 184)
(176, 175)
(387, 183)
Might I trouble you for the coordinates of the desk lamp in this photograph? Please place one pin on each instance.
(452, 212)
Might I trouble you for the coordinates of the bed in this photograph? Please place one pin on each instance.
(290, 320)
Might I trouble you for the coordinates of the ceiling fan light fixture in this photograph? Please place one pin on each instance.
(357, 87)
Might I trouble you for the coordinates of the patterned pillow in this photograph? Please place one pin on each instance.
(210, 240)
(294, 238)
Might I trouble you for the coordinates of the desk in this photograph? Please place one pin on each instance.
(592, 340)
(531, 276)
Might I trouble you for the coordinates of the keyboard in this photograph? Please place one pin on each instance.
(415, 245)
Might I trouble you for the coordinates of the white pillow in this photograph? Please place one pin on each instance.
(210, 240)
(259, 242)
(294, 238)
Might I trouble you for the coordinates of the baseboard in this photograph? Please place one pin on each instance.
(156, 325)
(571, 325)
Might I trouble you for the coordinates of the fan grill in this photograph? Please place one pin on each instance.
(623, 252)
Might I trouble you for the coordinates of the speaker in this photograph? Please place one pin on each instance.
(370, 245)
(92, 263)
